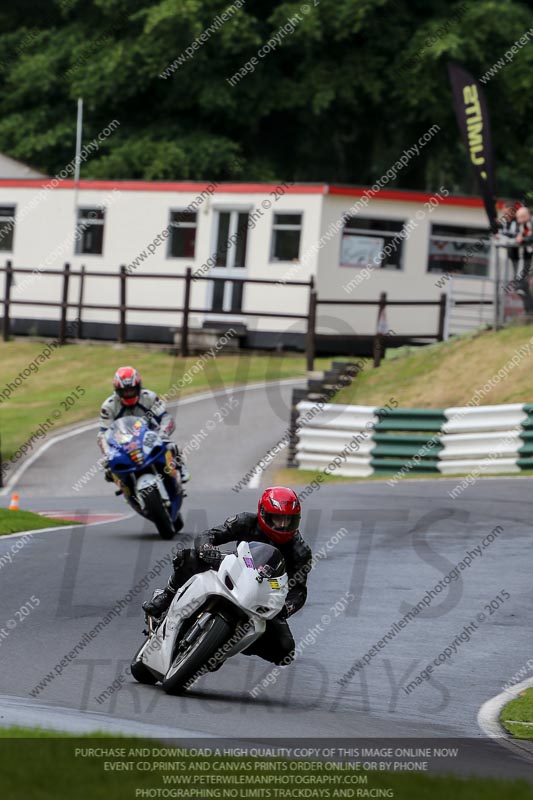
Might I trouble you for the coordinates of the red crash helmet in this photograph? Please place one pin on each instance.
(127, 384)
(279, 514)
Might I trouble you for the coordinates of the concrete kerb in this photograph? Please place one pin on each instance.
(488, 719)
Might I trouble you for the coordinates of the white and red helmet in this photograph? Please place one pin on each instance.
(127, 385)
(278, 514)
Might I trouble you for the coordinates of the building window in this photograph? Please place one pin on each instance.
(182, 240)
(454, 248)
(286, 233)
(372, 243)
(7, 226)
(90, 231)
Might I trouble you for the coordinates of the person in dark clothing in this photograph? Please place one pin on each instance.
(525, 238)
(508, 231)
(276, 522)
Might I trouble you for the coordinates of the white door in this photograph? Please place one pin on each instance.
(229, 249)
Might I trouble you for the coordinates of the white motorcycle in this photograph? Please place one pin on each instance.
(215, 615)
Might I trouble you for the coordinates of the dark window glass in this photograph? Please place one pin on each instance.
(242, 238)
(463, 250)
(372, 242)
(182, 242)
(286, 233)
(459, 231)
(384, 225)
(90, 231)
(182, 239)
(91, 213)
(7, 227)
(183, 216)
(288, 219)
(222, 239)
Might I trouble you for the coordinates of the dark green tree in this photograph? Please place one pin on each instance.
(348, 87)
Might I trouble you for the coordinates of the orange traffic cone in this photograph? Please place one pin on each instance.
(14, 504)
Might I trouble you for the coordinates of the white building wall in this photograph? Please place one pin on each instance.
(44, 236)
(412, 282)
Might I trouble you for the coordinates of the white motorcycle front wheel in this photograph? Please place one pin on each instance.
(193, 662)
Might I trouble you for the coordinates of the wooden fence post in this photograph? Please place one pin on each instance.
(297, 396)
(7, 297)
(185, 318)
(310, 346)
(122, 317)
(442, 317)
(64, 304)
(379, 338)
(79, 329)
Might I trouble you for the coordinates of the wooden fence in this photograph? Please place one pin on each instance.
(122, 308)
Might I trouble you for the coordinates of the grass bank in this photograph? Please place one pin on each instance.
(449, 373)
(517, 716)
(85, 374)
(17, 521)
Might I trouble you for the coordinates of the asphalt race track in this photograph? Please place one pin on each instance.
(398, 543)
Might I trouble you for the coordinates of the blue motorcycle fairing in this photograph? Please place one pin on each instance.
(133, 448)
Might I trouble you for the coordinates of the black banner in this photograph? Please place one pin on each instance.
(474, 124)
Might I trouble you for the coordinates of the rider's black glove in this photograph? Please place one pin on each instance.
(210, 554)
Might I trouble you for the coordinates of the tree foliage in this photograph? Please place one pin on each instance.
(338, 99)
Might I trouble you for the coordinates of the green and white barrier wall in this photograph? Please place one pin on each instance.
(359, 441)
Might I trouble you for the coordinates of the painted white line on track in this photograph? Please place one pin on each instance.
(255, 480)
(488, 719)
(253, 483)
(196, 398)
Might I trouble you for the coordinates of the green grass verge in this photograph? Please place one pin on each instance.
(288, 476)
(92, 367)
(517, 716)
(449, 373)
(16, 521)
(44, 767)
(19, 732)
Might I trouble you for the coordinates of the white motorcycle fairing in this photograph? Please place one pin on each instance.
(239, 582)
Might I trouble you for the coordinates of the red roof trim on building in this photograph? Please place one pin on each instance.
(164, 186)
(239, 188)
(407, 196)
